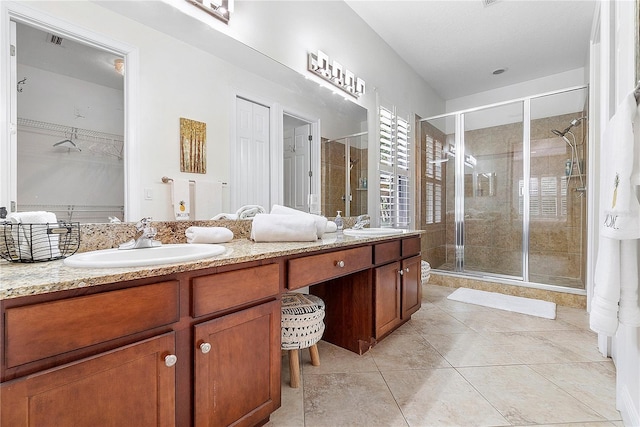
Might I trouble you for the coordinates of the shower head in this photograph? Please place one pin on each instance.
(557, 132)
(572, 123)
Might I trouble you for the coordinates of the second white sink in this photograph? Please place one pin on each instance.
(165, 254)
(372, 232)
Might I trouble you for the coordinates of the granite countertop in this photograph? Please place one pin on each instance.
(22, 279)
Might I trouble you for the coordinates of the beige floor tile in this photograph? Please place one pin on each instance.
(440, 397)
(353, 399)
(437, 322)
(402, 351)
(531, 348)
(525, 397)
(593, 384)
(575, 316)
(580, 342)
(334, 359)
(291, 413)
(593, 424)
(505, 321)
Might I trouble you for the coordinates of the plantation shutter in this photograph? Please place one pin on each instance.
(394, 169)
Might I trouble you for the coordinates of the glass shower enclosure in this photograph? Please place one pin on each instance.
(503, 190)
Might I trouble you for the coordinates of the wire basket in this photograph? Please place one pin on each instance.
(38, 242)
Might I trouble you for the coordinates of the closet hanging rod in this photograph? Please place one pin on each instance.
(66, 130)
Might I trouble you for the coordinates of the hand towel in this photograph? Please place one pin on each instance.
(615, 295)
(320, 221)
(31, 236)
(207, 199)
(283, 228)
(208, 235)
(249, 211)
(332, 227)
(180, 199)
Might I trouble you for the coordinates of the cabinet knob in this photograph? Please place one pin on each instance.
(205, 347)
(170, 360)
(340, 264)
(401, 272)
(406, 269)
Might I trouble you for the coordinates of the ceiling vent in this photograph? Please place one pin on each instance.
(486, 3)
(53, 39)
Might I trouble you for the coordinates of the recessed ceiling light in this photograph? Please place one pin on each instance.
(499, 71)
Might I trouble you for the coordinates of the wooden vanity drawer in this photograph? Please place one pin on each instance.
(410, 246)
(222, 291)
(386, 252)
(314, 269)
(38, 331)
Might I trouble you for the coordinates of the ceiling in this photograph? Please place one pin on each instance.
(456, 45)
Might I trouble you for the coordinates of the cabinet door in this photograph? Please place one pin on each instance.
(411, 286)
(129, 386)
(237, 367)
(387, 288)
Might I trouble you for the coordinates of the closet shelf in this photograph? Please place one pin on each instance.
(91, 140)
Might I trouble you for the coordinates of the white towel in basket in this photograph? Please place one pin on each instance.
(31, 237)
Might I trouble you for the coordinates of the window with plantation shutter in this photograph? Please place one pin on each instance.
(433, 180)
(395, 176)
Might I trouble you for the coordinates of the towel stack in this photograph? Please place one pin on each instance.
(320, 221)
(30, 235)
(245, 212)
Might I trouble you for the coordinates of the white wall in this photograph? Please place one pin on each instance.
(529, 88)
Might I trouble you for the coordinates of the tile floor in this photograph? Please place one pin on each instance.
(457, 364)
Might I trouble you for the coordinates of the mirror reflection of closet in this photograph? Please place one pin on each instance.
(345, 175)
(70, 114)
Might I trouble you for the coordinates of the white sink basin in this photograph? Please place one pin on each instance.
(165, 254)
(372, 232)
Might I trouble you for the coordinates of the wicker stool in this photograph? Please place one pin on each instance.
(302, 327)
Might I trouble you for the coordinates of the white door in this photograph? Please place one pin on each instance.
(251, 155)
(296, 166)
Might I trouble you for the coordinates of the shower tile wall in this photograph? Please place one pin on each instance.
(493, 224)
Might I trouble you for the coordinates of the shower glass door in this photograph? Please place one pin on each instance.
(490, 158)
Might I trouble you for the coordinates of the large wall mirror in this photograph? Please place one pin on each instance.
(80, 159)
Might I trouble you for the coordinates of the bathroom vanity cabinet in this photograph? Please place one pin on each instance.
(191, 346)
(147, 354)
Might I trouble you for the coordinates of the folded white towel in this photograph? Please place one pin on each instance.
(331, 227)
(208, 235)
(225, 216)
(320, 221)
(31, 236)
(283, 228)
(249, 211)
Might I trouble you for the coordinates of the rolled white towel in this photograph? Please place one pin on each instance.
(283, 228)
(320, 221)
(31, 236)
(208, 235)
(332, 227)
(225, 216)
(249, 211)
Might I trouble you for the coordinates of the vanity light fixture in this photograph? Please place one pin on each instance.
(220, 9)
(335, 73)
(118, 64)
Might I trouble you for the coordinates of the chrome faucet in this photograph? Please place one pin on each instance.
(145, 240)
(361, 221)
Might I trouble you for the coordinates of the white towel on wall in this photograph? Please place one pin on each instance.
(321, 222)
(180, 199)
(208, 199)
(31, 237)
(283, 228)
(615, 297)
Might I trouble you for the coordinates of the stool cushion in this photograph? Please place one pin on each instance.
(302, 320)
